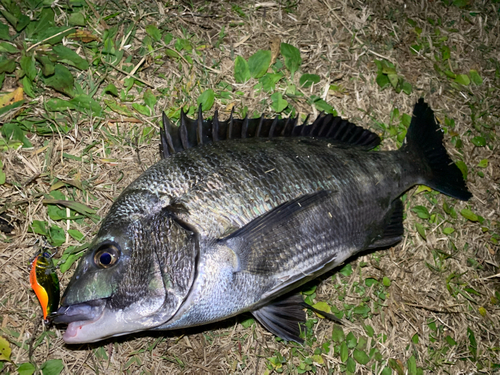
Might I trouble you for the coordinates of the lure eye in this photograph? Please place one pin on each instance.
(107, 255)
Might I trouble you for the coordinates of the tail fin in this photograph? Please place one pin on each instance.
(424, 140)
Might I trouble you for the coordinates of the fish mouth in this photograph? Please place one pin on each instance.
(96, 320)
(77, 316)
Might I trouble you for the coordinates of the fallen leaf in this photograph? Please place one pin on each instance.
(61, 183)
(4, 349)
(84, 36)
(322, 306)
(274, 44)
(12, 97)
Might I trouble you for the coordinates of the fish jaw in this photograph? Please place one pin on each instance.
(108, 324)
(95, 321)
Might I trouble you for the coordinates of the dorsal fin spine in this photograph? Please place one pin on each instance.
(314, 128)
(287, 122)
(230, 127)
(183, 130)
(244, 128)
(259, 128)
(273, 127)
(215, 126)
(336, 126)
(323, 128)
(167, 146)
(199, 128)
(198, 132)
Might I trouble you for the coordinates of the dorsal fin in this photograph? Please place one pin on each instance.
(191, 133)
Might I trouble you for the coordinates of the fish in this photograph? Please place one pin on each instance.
(238, 214)
(45, 284)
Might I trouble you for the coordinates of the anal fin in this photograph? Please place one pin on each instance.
(393, 230)
(283, 317)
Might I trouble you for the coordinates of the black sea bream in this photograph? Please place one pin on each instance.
(239, 213)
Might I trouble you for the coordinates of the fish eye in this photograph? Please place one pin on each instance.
(107, 255)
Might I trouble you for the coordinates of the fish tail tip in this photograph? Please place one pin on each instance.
(424, 140)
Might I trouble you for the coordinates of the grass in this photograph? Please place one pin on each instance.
(82, 88)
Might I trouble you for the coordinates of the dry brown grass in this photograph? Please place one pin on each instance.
(339, 40)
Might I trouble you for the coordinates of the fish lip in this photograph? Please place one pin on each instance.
(82, 312)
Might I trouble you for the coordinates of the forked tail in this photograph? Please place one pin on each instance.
(424, 141)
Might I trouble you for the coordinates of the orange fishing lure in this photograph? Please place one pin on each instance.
(45, 284)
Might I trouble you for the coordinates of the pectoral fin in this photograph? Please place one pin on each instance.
(273, 241)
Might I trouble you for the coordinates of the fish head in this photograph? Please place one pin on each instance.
(135, 275)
